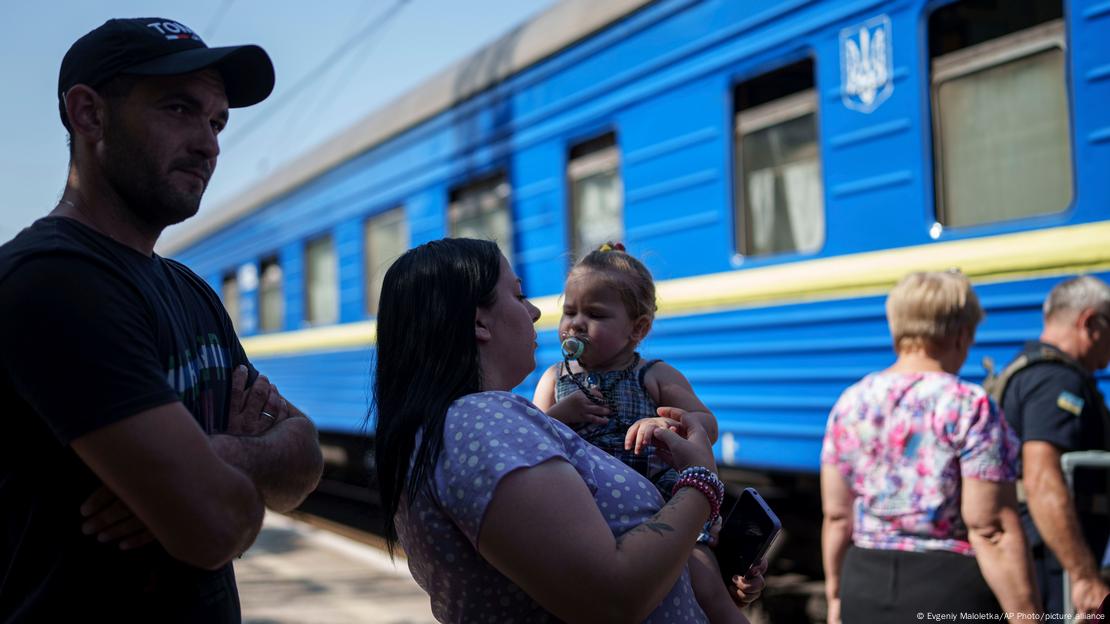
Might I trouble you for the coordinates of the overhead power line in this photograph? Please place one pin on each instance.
(315, 74)
(218, 18)
(325, 95)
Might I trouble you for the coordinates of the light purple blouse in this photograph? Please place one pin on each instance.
(485, 437)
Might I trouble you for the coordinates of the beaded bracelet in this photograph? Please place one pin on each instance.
(703, 473)
(703, 480)
(705, 488)
(709, 492)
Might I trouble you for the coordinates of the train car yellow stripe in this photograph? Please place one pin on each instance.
(1073, 249)
(1057, 251)
(331, 338)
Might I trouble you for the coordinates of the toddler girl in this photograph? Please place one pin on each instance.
(614, 398)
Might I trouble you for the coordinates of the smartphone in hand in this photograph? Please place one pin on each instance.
(747, 533)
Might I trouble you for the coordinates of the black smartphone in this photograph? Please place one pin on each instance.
(747, 533)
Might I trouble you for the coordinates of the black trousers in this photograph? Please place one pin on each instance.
(896, 586)
(1050, 579)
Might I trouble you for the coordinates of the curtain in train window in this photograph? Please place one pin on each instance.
(386, 238)
(322, 282)
(229, 292)
(781, 195)
(1002, 146)
(271, 298)
(596, 194)
(481, 210)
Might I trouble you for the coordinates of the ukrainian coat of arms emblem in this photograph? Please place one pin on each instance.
(866, 64)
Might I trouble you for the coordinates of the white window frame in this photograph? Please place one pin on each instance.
(505, 193)
(783, 109)
(368, 267)
(233, 308)
(594, 162)
(309, 277)
(972, 59)
(580, 167)
(754, 119)
(262, 285)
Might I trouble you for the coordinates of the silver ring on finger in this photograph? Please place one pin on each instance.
(269, 415)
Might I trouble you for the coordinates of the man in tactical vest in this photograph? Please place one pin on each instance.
(1051, 399)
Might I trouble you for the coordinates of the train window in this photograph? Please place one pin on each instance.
(596, 202)
(780, 204)
(321, 281)
(481, 210)
(229, 292)
(386, 237)
(1001, 137)
(271, 298)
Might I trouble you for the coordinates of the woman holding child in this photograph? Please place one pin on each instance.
(506, 514)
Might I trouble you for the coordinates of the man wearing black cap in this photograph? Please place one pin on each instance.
(135, 462)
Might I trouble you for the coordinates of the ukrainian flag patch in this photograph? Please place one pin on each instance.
(1069, 403)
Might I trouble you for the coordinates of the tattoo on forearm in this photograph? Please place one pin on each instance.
(655, 525)
(658, 527)
(678, 496)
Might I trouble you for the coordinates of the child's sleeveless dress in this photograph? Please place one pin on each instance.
(628, 401)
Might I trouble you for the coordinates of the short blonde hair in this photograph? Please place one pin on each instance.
(931, 307)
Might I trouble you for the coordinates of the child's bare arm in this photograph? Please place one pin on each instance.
(577, 409)
(714, 597)
(670, 388)
(544, 397)
(572, 410)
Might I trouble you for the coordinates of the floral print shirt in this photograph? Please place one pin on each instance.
(903, 442)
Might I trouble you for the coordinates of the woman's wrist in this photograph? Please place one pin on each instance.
(705, 481)
(707, 463)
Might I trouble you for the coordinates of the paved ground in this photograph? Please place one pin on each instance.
(296, 573)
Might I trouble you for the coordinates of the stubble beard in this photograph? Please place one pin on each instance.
(132, 171)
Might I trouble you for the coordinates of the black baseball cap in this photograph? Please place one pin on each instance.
(154, 46)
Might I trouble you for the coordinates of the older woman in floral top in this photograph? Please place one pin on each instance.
(917, 476)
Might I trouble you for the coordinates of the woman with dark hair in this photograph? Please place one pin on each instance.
(504, 513)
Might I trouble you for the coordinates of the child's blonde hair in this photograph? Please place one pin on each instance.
(627, 274)
(931, 307)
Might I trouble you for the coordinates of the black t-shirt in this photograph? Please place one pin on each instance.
(92, 332)
(1057, 403)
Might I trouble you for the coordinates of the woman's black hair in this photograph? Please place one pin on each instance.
(427, 357)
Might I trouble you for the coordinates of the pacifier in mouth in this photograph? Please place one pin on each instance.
(573, 346)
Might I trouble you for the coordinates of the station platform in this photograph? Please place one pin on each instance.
(298, 573)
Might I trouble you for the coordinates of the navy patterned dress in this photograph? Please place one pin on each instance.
(628, 401)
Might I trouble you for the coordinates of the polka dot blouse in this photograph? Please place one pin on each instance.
(485, 437)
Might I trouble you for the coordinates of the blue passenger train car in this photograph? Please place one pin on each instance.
(778, 164)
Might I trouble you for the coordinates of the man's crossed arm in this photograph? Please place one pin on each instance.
(268, 444)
